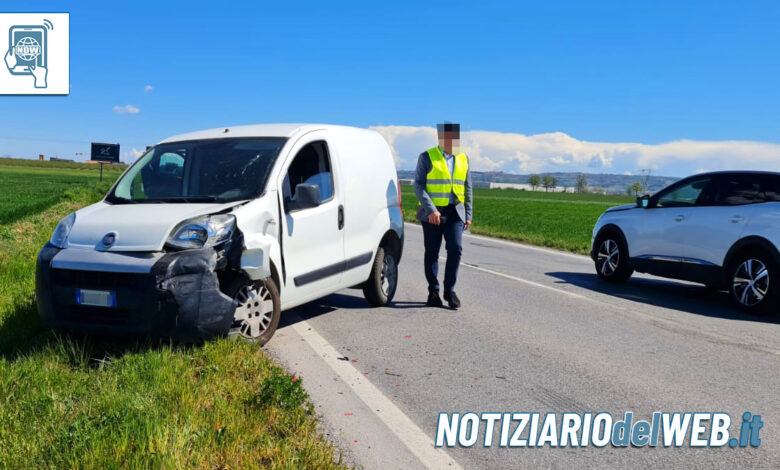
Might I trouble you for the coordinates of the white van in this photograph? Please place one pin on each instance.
(217, 232)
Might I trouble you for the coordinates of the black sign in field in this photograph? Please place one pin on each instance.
(105, 152)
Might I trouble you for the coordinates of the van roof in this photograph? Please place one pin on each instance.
(254, 130)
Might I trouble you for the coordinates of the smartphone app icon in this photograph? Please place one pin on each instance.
(28, 44)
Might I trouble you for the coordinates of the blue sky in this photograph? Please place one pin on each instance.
(552, 75)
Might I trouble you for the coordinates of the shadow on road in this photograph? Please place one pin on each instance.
(322, 306)
(336, 302)
(680, 296)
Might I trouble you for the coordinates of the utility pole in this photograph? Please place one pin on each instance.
(646, 175)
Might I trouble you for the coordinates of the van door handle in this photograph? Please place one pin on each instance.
(679, 218)
(737, 219)
(341, 217)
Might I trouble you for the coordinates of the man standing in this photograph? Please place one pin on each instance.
(442, 184)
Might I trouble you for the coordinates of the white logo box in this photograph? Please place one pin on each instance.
(37, 45)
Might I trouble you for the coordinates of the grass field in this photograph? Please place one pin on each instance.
(558, 220)
(5, 161)
(72, 402)
(29, 189)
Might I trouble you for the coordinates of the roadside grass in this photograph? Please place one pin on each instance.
(78, 402)
(558, 220)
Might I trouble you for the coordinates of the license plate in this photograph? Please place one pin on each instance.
(96, 298)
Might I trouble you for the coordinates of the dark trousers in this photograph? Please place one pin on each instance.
(452, 231)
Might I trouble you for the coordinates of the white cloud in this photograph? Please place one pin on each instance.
(126, 109)
(132, 155)
(148, 88)
(557, 151)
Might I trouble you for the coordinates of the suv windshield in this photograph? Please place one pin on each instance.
(216, 170)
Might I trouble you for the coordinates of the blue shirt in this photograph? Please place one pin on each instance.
(451, 166)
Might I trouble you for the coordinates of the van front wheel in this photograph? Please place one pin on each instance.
(258, 310)
(379, 289)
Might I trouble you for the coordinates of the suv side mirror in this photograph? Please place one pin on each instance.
(643, 201)
(306, 197)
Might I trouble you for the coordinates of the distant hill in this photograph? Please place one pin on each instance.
(611, 183)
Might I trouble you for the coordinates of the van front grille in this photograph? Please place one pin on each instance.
(86, 279)
(99, 316)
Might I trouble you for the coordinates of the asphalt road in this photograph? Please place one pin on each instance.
(539, 332)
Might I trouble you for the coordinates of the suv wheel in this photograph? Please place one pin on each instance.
(612, 259)
(379, 289)
(754, 281)
(258, 310)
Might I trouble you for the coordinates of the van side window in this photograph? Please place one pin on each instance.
(310, 166)
(162, 177)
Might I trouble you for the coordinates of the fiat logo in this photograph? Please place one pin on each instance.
(109, 239)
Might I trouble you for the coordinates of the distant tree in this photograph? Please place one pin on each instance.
(547, 182)
(534, 181)
(553, 182)
(582, 184)
(635, 188)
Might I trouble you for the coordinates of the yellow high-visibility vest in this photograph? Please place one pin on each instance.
(439, 183)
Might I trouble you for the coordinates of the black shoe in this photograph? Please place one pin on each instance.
(434, 300)
(452, 299)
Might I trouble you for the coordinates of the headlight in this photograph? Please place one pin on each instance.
(200, 232)
(60, 235)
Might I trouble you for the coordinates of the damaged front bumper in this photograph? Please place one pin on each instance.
(162, 295)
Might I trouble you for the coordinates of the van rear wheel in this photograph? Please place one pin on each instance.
(379, 289)
(258, 310)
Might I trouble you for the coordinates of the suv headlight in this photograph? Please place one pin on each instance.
(60, 235)
(203, 231)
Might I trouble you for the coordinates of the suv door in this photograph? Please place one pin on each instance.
(659, 233)
(312, 238)
(719, 220)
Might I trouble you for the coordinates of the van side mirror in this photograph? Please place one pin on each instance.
(306, 197)
(643, 201)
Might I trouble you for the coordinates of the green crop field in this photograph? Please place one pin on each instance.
(27, 189)
(558, 220)
(78, 402)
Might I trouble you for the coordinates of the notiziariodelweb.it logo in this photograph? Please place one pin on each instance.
(597, 429)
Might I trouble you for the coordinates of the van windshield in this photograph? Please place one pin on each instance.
(215, 170)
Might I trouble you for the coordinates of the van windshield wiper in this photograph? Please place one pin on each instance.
(120, 200)
(184, 199)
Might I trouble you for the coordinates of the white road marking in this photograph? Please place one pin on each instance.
(675, 326)
(515, 244)
(519, 279)
(404, 428)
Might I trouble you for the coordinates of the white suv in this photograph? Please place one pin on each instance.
(719, 229)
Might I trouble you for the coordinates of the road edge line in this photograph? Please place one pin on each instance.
(396, 421)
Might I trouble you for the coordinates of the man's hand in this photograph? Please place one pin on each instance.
(434, 218)
(468, 224)
(10, 59)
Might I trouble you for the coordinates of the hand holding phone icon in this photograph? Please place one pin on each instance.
(27, 53)
(40, 75)
(10, 59)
